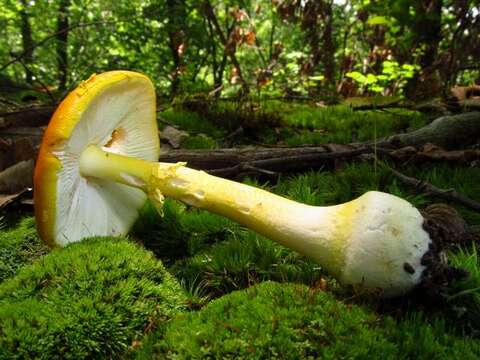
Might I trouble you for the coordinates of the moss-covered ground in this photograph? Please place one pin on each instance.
(193, 285)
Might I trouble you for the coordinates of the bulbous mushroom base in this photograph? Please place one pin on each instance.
(386, 244)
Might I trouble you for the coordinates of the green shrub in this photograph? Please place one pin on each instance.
(287, 321)
(19, 246)
(89, 300)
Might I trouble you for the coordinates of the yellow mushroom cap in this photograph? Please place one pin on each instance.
(116, 111)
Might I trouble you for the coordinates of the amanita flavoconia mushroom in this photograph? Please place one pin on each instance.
(97, 166)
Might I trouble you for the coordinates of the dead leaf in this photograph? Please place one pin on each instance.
(17, 177)
(173, 136)
(24, 150)
(339, 147)
(431, 152)
(465, 92)
(240, 14)
(234, 77)
(8, 199)
(136, 344)
(250, 38)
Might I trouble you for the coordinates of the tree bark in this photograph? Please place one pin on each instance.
(27, 42)
(29, 116)
(428, 29)
(62, 43)
(448, 132)
(328, 57)
(176, 39)
(210, 14)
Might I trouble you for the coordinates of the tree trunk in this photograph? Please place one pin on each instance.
(328, 57)
(427, 31)
(27, 41)
(176, 39)
(210, 14)
(62, 43)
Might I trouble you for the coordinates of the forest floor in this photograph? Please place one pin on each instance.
(239, 295)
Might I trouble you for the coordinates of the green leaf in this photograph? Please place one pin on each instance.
(317, 77)
(358, 77)
(378, 20)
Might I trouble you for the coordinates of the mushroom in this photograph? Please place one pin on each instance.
(97, 165)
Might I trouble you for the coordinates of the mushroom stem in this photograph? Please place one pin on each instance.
(376, 240)
(288, 222)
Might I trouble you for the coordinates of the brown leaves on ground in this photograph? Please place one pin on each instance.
(173, 137)
(431, 152)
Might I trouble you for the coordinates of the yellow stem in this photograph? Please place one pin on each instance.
(307, 229)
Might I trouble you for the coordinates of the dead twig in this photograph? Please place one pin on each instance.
(446, 194)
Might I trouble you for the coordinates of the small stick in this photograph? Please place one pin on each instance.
(447, 194)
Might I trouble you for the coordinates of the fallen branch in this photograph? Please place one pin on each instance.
(229, 162)
(448, 132)
(298, 162)
(29, 116)
(446, 194)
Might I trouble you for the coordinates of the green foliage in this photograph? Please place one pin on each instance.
(285, 321)
(176, 44)
(393, 76)
(18, 247)
(192, 123)
(89, 300)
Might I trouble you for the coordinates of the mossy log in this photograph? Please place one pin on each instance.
(448, 132)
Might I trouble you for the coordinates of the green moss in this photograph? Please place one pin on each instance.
(199, 142)
(244, 259)
(91, 299)
(163, 234)
(464, 297)
(418, 338)
(327, 188)
(192, 123)
(342, 124)
(288, 321)
(181, 231)
(293, 124)
(19, 246)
